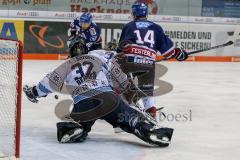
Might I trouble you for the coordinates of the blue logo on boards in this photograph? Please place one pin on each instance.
(8, 31)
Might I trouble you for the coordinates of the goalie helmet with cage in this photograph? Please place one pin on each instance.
(112, 45)
(77, 47)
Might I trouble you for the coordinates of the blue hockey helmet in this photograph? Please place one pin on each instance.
(86, 18)
(139, 9)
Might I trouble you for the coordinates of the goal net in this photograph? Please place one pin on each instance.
(10, 97)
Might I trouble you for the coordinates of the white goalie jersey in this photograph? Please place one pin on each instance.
(85, 76)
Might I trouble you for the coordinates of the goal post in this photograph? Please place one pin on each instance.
(10, 97)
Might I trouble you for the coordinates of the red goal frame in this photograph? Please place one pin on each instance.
(19, 96)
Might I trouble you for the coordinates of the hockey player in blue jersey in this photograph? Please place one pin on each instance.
(141, 40)
(91, 79)
(84, 27)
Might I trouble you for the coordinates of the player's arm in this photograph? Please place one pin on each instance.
(177, 53)
(42, 89)
(52, 82)
(166, 48)
(123, 34)
(72, 30)
(94, 40)
(126, 37)
(98, 35)
(118, 79)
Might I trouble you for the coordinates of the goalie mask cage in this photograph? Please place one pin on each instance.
(10, 97)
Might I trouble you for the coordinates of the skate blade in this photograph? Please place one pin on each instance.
(66, 138)
(164, 140)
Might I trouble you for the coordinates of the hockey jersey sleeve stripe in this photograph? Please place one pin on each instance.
(42, 90)
(170, 53)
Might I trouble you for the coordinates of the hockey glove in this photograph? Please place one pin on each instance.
(180, 54)
(31, 93)
(89, 44)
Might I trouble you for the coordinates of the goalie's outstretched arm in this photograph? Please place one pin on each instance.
(52, 82)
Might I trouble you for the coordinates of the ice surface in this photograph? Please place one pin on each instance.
(210, 91)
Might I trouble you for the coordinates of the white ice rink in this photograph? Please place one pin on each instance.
(210, 91)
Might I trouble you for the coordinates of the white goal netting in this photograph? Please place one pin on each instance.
(9, 101)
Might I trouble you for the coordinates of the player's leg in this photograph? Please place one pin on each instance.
(146, 84)
(68, 132)
(131, 121)
(129, 67)
(144, 70)
(86, 112)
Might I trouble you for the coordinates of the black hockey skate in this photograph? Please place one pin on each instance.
(160, 136)
(68, 132)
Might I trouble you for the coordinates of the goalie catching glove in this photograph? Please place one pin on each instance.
(31, 93)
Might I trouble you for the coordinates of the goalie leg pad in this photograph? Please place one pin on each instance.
(132, 121)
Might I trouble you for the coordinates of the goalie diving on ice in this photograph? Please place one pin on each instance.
(95, 81)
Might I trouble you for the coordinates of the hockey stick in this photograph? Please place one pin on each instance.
(203, 50)
(235, 40)
(211, 48)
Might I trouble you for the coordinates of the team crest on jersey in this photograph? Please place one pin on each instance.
(92, 31)
(141, 25)
(93, 38)
(83, 35)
